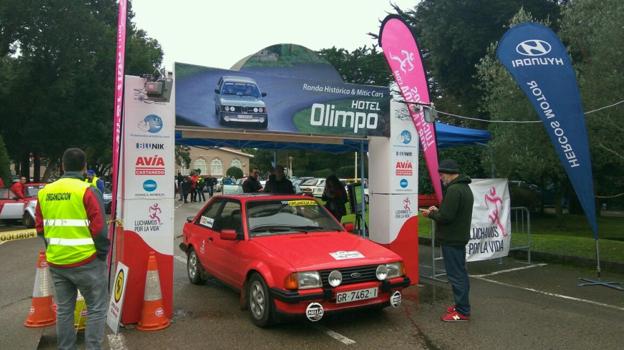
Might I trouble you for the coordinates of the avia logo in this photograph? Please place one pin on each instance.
(150, 166)
(533, 47)
(150, 185)
(404, 168)
(406, 137)
(151, 123)
(407, 60)
(403, 183)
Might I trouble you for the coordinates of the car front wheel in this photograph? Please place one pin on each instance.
(194, 268)
(28, 221)
(260, 303)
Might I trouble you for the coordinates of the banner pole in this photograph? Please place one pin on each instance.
(585, 282)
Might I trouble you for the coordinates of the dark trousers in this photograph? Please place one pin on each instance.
(200, 195)
(455, 265)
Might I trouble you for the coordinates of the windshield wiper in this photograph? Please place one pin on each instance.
(270, 228)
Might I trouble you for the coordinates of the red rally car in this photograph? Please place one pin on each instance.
(287, 255)
(14, 209)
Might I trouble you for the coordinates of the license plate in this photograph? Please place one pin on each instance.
(245, 116)
(355, 295)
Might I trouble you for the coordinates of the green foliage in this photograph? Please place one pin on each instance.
(364, 65)
(57, 89)
(234, 172)
(183, 156)
(5, 171)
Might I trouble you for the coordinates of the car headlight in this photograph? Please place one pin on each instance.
(334, 278)
(255, 109)
(303, 280)
(381, 272)
(395, 270)
(260, 109)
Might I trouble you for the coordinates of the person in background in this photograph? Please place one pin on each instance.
(19, 187)
(70, 216)
(94, 181)
(211, 182)
(179, 181)
(453, 220)
(335, 197)
(279, 184)
(200, 189)
(251, 184)
(1, 183)
(186, 188)
(194, 178)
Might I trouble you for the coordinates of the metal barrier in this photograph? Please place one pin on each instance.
(520, 224)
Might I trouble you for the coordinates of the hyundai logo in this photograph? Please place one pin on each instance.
(356, 275)
(533, 47)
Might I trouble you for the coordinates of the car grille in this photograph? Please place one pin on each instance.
(351, 275)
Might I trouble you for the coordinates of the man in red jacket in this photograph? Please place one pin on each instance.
(18, 188)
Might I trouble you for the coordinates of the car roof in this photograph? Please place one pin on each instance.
(249, 197)
(234, 78)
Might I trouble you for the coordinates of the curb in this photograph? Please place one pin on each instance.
(609, 266)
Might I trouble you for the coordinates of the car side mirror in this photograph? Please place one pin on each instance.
(348, 226)
(216, 91)
(264, 94)
(228, 235)
(190, 218)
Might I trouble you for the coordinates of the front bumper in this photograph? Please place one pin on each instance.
(293, 302)
(244, 118)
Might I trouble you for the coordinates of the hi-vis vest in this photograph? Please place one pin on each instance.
(65, 221)
(93, 181)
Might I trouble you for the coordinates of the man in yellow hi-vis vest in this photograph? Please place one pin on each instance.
(70, 215)
(94, 181)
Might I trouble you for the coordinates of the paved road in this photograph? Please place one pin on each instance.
(536, 306)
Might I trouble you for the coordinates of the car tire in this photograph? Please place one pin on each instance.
(265, 123)
(194, 268)
(28, 220)
(260, 302)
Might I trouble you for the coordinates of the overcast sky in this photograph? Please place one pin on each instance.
(217, 33)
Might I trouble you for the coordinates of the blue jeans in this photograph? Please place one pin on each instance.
(90, 279)
(455, 265)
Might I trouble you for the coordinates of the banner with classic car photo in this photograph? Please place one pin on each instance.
(265, 101)
(490, 230)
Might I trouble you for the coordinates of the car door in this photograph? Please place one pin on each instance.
(10, 208)
(204, 236)
(228, 254)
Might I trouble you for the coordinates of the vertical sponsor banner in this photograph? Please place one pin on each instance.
(540, 65)
(403, 57)
(148, 193)
(118, 105)
(490, 230)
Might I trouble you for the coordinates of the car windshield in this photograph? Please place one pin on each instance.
(31, 191)
(240, 89)
(273, 217)
(309, 182)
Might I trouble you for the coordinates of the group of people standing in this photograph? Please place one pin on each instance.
(196, 186)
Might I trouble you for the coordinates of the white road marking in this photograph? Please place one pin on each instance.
(179, 205)
(180, 259)
(117, 342)
(566, 297)
(339, 337)
(508, 270)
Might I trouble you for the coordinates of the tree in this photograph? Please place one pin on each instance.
(183, 156)
(5, 171)
(594, 32)
(58, 65)
(234, 172)
(364, 65)
(454, 35)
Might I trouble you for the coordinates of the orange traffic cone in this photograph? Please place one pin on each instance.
(153, 314)
(42, 310)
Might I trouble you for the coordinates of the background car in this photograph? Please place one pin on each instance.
(14, 210)
(292, 258)
(314, 186)
(239, 100)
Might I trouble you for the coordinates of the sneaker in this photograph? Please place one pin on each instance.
(450, 309)
(454, 317)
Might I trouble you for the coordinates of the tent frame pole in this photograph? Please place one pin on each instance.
(585, 282)
(362, 192)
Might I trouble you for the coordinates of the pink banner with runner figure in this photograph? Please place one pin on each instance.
(402, 54)
(119, 85)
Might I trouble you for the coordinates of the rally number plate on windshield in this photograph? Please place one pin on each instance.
(355, 295)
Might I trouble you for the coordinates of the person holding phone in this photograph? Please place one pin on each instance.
(453, 231)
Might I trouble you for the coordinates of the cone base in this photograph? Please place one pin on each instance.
(42, 313)
(158, 327)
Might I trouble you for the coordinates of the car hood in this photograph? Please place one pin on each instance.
(313, 251)
(246, 101)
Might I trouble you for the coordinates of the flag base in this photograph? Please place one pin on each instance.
(587, 282)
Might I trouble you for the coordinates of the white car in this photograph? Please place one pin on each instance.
(314, 186)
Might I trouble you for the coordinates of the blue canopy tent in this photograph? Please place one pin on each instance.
(447, 136)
